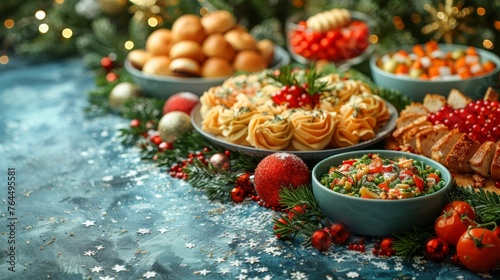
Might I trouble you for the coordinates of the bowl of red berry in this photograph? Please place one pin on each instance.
(338, 36)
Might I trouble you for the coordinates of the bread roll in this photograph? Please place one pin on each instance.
(218, 22)
(159, 42)
(240, 40)
(266, 49)
(216, 67)
(157, 65)
(188, 27)
(187, 49)
(216, 46)
(249, 61)
(185, 67)
(138, 58)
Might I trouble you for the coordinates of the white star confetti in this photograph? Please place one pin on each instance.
(339, 259)
(203, 272)
(224, 271)
(262, 269)
(119, 268)
(106, 278)
(235, 263)
(190, 245)
(89, 253)
(252, 244)
(352, 274)
(143, 231)
(241, 277)
(88, 223)
(220, 259)
(163, 230)
(99, 247)
(97, 269)
(298, 275)
(252, 260)
(149, 274)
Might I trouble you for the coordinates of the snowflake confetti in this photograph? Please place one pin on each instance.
(190, 245)
(224, 271)
(97, 269)
(235, 263)
(106, 278)
(220, 259)
(262, 269)
(203, 272)
(352, 274)
(119, 268)
(298, 275)
(89, 253)
(88, 223)
(163, 230)
(149, 274)
(252, 260)
(99, 247)
(143, 231)
(242, 277)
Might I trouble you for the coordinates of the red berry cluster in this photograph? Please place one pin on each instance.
(335, 45)
(295, 96)
(257, 199)
(108, 64)
(359, 246)
(384, 248)
(480, 119)
(243, 188)
(177, 169)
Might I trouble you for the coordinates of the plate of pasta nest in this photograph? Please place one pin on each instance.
(307, 112)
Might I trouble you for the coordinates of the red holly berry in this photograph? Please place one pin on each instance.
(277, 171)
(111, 77)
(243, 181)
(436, 249)
(135, 123)
(107, 63)
(321, 240)
(277, 225)
(339, 233)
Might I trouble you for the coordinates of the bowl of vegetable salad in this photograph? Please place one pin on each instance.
(378, 193)
(436, 68)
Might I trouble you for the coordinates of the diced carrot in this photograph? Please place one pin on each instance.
(416, 64)
(433, 71)
(402, 52)
(424, 76)
(459, 63)
(438, 62)
(431, 46)
(465, 74)
(489, 66)
(418, 50)
(471, 51)
(402, 68)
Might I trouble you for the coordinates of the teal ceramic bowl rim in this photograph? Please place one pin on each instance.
(482, 53)
(444, 173)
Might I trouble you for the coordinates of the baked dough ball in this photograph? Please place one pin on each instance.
(249, 61)
(240, 40)
(159, 42)
(218, 22)
(187, 49)
(188, 27)
(185, 67)
(329, 20)
(216, 46)
(138, 58)
(157, 65)
(266, 49)
(216, 67)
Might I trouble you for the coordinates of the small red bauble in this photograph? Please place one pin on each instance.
(220, 161)
(321, 240)
(107, 63)
(243, 181)
(237, 194)
(111, 77)
(135, 123)
(339, 233)
(277, 171)
(182, 101)
(436, 249)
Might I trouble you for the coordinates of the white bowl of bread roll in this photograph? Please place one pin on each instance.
(198, 53)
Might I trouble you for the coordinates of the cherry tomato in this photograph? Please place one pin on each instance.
(339, 233)
(383, 186)
(375, 166)
(349, 161)
(434, 177)
(462, 208)
(419, 182)
(387, 168)
(453, 223)
(497, 231)
(479, 250)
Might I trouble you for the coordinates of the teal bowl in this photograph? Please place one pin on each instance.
(165, 86)
(377, 217)
(416, 89)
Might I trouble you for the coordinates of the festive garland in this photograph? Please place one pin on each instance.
(226, 176)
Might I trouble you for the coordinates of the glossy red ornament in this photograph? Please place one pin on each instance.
(111, 77)
(220, 161)
(436, 249)
(107, 63)
(339, 233)
(237, 194)
(321, 240)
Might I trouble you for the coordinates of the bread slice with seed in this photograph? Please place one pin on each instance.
(482, 159)
(460, 154)
(434, 102)
(457, 100)
(414, 108)
(425, 139)
(495, 164)
(408, 118)
(443, 146)
(409, 139)
(399, 132)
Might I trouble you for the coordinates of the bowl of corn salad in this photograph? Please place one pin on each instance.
(378, 192)
(436, 68)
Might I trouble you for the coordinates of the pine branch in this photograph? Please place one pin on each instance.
(486, 204)
(217, 184)
(411, 243)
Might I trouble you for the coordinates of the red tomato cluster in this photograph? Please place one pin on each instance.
(335, 45)
(477, 248)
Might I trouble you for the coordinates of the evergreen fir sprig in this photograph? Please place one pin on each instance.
(216, 183)
(411, 243)
(302, 223)
(144, 109)
(242, 162)
(285, 77)
(485, 203)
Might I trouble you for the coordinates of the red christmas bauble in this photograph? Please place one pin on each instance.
(182, 101)
(277, 171)
(436, 249)
(237, 194)
(321, 240)
(107, 63)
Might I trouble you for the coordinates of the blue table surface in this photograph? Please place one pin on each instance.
(89, 208)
